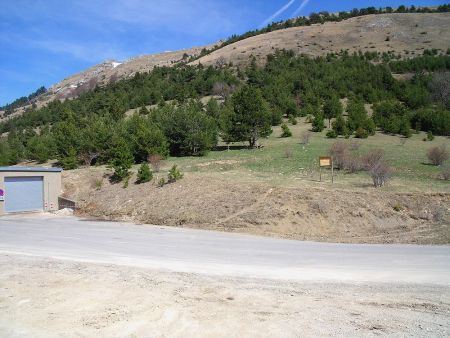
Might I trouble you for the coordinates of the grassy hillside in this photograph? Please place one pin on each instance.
(284, 160)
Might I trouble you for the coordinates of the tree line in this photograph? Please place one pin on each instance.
(22, 101)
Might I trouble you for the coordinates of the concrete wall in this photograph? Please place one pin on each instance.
(52, 187)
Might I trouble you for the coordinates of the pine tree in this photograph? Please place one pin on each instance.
(318, 123)
(144, 174)
(285, 131)
(332, 108)
(174, 174)
(340, 126)
(70, 161)
(249, 118)
(122, 159)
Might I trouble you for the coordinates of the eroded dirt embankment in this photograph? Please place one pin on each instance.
(300, 212)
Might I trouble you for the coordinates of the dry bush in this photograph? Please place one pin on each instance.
(372, 158)
(379, 171)
(155, 160)
(96, 183)
(339, 154)
(380, 174)
(222, 89)
(344, 159)
(438, 155)
(87, 157)
(220, 62)
(353, 163)
(305, 138)
(288, 152)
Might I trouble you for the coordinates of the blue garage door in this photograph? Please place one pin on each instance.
(24, 194)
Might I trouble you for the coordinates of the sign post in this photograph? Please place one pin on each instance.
(326, 161)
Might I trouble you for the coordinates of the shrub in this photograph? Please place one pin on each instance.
(380, 174)
(97, 183)
(288, 152)
(331, 134)
(372, 158)
(352, 163)
(161, 182)
(309, 118)
(340, 126)
(121, 172)
(126, 181)
(122, 159)
(339, 152)
(445, 173)
(430, 136)
(318, 124)
(397, 207)
(144, 174)
(377, 168)
(292, 120)
(361, 133)
(70, 161)
(438, 155)
(174, 174)
(285, 131)
(155, 160)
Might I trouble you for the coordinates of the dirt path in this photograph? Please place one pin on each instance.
(51, 298)
(249, 208)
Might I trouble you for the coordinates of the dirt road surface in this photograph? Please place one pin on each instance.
(64, 277)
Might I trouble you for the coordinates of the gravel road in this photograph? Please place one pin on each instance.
(224, 254)
(65, 277)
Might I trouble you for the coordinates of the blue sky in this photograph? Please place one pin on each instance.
(44, 41)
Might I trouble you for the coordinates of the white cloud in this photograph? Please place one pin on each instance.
(300, 8)
(277, 13)
(117, 29)
(188, 17)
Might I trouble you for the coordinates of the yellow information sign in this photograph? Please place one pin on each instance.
(325, 161)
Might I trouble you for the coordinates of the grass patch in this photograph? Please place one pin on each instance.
(411, 171)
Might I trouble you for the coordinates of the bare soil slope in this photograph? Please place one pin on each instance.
(300, 211)
(406, 34)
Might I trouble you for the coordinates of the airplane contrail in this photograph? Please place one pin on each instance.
(299, 9)
(279, 12)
